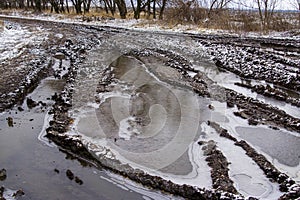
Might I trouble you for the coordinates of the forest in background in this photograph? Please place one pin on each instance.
(262, 15)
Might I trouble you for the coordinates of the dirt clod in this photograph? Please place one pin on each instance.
(70, 174)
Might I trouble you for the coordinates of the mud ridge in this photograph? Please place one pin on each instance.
(269, 91)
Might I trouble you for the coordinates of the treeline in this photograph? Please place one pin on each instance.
(84, 6)
(206, 13)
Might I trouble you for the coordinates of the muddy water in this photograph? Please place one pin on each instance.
(164, 123)
(31, 164)
(167, 117)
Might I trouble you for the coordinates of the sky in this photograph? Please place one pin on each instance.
(282, 4)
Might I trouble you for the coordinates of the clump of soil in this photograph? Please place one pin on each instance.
(3, 174)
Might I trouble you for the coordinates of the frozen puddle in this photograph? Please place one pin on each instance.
(148, 124)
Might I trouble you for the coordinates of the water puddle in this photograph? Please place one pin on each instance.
(40, 170)
(278, 144)
(145, 120)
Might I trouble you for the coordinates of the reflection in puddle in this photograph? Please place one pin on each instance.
(153, 122)
(150, 124)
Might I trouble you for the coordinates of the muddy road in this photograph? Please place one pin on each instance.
(195, 116)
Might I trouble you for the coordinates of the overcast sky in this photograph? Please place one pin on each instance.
(282, 4)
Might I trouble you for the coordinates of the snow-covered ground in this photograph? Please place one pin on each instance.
(152, 25)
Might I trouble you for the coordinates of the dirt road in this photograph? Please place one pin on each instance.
(166, 109)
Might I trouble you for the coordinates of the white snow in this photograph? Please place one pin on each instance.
(14, 39)
(127, 128)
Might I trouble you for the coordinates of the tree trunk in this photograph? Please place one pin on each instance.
(86, 6)
(261, 14)
(105, 7)
(21, 4)
(38, 5)
(67, 6)
(137, 9)
(161, 13)
(132, 4)
(62, 6)
(122, 8)
(148, 9)
(154, 9)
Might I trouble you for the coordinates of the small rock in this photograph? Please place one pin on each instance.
(42, 103)
(18, 193)
(59, 56)
(10, 121)
(31, 103)
(211, 107)
(70, 174)
(1, 191)
(56, 170)
(78, 180)
(20, 109)
(252, 122)
(230, 104)
(3, 174)
(274, 127)
(54, 97)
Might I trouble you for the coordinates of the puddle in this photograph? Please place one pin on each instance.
(40, 170)
(147, 122)
(280, 145)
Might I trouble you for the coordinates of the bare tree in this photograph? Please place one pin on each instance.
(266, 10)
(136, 8)
(38, 5)
(217, 5)
(77, 5)
(140, 6)
(122, 8)
(109, 5)
(162, 9)
(55, 5)
(86, 5)
(296, 5)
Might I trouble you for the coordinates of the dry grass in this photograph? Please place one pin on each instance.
(182, 14)
(235, 21)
